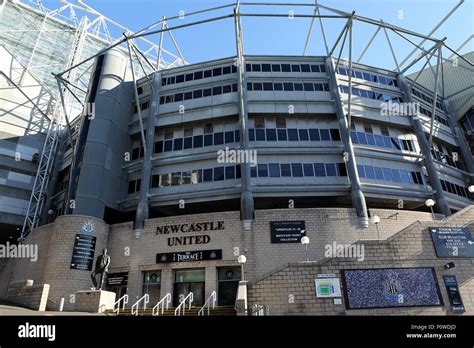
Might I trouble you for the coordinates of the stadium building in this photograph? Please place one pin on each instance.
(185, 170)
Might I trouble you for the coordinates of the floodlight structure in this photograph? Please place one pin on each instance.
(334, 50)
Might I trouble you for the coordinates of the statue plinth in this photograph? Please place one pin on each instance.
(94, 301)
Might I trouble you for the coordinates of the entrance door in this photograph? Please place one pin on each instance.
(229, 278)
(186, 281)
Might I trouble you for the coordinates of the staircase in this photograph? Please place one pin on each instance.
(192, 312)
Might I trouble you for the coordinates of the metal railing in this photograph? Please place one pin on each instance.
(259, 310)
(162, 304)
(145, 298)
(212, 298)
(124, 300)
(182, 304)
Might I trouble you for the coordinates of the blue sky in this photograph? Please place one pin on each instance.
(287, 36)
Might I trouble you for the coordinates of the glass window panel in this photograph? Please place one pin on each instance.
(217, 72)
(319, 169)
(189, 77)
(369, 172)
(285, 170)
(207, 73)
(303, 133)
(218, 138)
(297, 170)
(354, 137)
(227, 89)
(188, 95)
(308, 169)
(208, 140)
(271, 135)
(266, 67)
(315, 68)
(226, 70)
(282, 136)
(285, 68)
(207, 173)
(274, 169)
(396, 175)
(251, 134)
(378, 173)
(178, 144)
(237, 135)
(256, 67)
(387, 174)
(331, 169)
(230, 172)
(186, 178)
(292, 134)
(370, 139)
(229, 137)
(379, 140)
(253, 172)
(168, 145)
(262, 171)
(260, 134)
(361, 170)
(288, 86)
(176, 179)
(159, 147)
(267, 86)
(314, 134)
(277, 86)
(308, 87)
(335, 134)
(218, 173)
(197, 141)
(217, 90)
(198, 75)
(324, 134)
(276, 67)
(188, 142)
(298, 86)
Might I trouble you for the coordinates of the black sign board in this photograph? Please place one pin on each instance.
(117, 278)
(187, 256)
(455, 299)
(452, 241)
(83, 252)
(287, 231)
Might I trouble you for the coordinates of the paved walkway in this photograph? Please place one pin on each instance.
(12, 310)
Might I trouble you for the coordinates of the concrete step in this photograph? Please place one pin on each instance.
(193, 311)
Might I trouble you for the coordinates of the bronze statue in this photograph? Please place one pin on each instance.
(101, 268)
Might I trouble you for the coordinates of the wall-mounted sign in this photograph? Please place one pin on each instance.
(120, 278)
(83, 252)
(186, 256)
(184, 232)
(452, 241)
(328, 287)
(452, 288)
(287, 231)
(88, 227)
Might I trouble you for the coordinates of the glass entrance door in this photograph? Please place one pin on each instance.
(186, 281)
(229, 278)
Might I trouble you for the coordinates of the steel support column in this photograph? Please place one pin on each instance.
(358, 199)
(246, 198)
(441, 201)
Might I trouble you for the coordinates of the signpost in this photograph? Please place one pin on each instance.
(287, 231)
(452, 241)
(83, 252)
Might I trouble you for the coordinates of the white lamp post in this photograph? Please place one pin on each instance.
(430, 203)
(242, 260)
(305, 242)
(376, 221)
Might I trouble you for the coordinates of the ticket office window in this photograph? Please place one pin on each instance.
(152, 285)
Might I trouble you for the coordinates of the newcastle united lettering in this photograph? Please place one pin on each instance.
(187, 228)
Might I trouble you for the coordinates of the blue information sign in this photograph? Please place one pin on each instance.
(452, 241)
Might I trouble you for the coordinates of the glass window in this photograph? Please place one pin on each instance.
(378, 173)
(287, 86)
(155, 180)
(197, 94)
(354, 137)
(207, 92)
(178, 97)
(227, 89)
(179, 78)
(342, 169)
(282, 135)
(219, 138)
(198, 75)
(315, 68)
(237, 135)
(319, 169)
(166, 179)
(361, 138)
(292, 134)
(256, 67)
(285, 170)
(188, 95)
(276, 67)
(267, 86)
(308, 87)
(217, 72)
(370, 139)
(262, 171)
(217, 90)
(131, 186)
(251, 134)
(178, 144)
(226, 70)
(218, 173)
(207, 173)
(298, 86)
(305, 68)
(335, 134)
(176, 179)
(207, 73)
(197, 141)
(324, 134)
(331, 169)
(186, 177)
(159, 147)
(308, 169)
(361, 170)
(237, 171)
(369, 172)
(396, 175)
(188, 142)
(248, 67)
(189, 77)
(271, 135)
(405, 177)
(295, 68)
(208, 140)
(314, 134)
(253, 172)
(266, 67)
(168, 145)
(379, 140)
(274, 169)
(303, 133)
(230, 172)
(387, 174)
(277, 86)
(285, 68)
(229, 137)
(297, 169)
(257, 86)
(260, 134)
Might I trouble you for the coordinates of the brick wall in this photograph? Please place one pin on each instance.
(290, 290)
